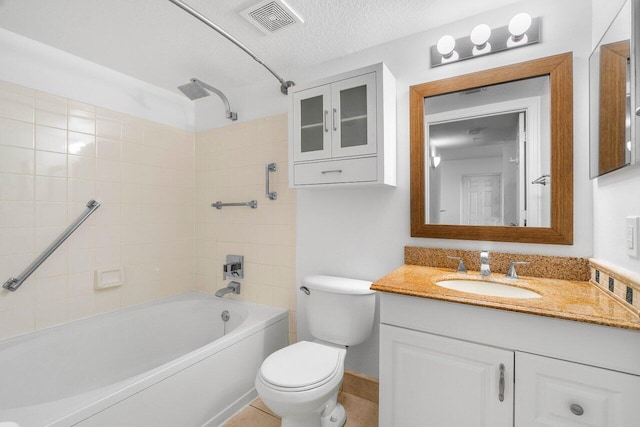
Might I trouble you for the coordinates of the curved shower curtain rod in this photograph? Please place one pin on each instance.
(284, 85)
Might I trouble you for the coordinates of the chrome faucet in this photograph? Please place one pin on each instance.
(485, 271)
(233, 288)
(511, 274)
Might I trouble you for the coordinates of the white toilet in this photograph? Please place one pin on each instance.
(300, 382)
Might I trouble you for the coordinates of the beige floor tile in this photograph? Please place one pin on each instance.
(360, 412)
(253, 417)
(259, 404)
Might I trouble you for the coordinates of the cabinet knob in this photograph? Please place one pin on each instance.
(638, 111)
(576, 409)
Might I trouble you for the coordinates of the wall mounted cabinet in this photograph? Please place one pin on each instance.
(342, 130)
(452, 364)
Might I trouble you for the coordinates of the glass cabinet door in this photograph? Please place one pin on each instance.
(312, 127)
(353, 116)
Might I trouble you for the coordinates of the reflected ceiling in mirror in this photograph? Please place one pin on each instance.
(488, 155)
(489, 130)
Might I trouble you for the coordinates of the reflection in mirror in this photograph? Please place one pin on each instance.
(492, 154)
(610, 92)
(489, 155)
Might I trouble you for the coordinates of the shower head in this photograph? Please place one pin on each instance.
(193, 90)
(197, 89)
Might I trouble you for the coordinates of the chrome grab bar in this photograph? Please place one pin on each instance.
(15, 282)
(269, 167)
(219, 205)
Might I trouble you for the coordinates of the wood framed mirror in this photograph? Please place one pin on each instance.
(557, 179)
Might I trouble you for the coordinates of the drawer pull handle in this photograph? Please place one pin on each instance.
(501, 384)
(576, 409)
(332, 171)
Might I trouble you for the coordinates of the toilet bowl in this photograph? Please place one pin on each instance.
(300, 382)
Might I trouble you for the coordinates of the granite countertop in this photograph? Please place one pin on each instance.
(563, 299)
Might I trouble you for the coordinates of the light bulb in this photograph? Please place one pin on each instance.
(480, 38)
(518, 27)
(446, 46)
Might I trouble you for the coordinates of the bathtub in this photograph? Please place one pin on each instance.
(172, 362)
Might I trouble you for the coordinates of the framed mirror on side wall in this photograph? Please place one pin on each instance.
(492, 154)
(613, 94)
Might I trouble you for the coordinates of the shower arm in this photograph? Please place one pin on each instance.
(284, 85)
(227, 107)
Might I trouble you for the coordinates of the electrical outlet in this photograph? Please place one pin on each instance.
(631, 235)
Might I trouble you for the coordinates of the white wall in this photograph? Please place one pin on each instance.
(361, 233)
(616, 194)
(32, 64)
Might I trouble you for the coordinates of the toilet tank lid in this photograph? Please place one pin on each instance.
(338, 285)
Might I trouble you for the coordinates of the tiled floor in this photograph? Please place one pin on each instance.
(360, 413)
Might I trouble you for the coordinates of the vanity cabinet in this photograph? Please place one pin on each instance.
(436, 381)
(441, 364)
(342, 130)
(552, 392)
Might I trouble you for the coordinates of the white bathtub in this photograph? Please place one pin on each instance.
(173, 362)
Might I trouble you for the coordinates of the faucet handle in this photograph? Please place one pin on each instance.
(511, 273)
(461, 267)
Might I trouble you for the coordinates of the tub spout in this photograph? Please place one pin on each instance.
(233, 288)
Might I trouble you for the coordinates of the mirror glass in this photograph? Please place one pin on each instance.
(492, 154)
(610, 97)
(488, 155)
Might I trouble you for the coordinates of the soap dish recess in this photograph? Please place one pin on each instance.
(108, 278)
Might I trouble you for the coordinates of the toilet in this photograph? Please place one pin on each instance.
(300, 382)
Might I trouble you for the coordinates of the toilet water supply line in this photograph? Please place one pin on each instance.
(284, 85)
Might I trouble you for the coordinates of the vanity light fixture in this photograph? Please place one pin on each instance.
(522, 30)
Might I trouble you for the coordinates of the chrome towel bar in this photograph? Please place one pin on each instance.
(219, 205)
(15, 282)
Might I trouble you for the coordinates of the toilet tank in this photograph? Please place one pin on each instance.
(339, 310)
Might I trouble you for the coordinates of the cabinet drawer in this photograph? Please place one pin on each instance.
(336, 171)
(556, 393)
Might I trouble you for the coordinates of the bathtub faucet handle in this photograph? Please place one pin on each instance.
(233, 269)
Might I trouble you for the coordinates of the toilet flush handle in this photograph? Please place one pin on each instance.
(305, 290)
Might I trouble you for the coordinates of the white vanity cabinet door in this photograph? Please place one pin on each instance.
(429, 380)
(547, 388)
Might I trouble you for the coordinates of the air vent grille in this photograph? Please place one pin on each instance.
(270, 16)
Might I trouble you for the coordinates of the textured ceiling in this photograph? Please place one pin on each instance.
(155, 41)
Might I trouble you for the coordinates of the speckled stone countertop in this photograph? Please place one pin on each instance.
(564, 299)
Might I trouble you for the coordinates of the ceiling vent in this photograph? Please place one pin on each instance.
(270, 16)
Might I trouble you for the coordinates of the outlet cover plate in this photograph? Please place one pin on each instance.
(631, 235)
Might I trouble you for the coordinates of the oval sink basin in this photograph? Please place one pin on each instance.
(481, 287)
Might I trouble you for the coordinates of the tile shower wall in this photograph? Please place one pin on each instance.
(55, 155)
(230, 167)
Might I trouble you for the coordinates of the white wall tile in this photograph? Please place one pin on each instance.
(16, 241)
(81, 144)
(16, 214)
(17, 106)
(17, 187)
(16, 160)
(51, 139)
(82, 167)
(51, 164)
(16, 134)
(51, 112)
(50, 189)
(108, 149)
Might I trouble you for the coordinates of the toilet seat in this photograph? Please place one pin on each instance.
(302, 366)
